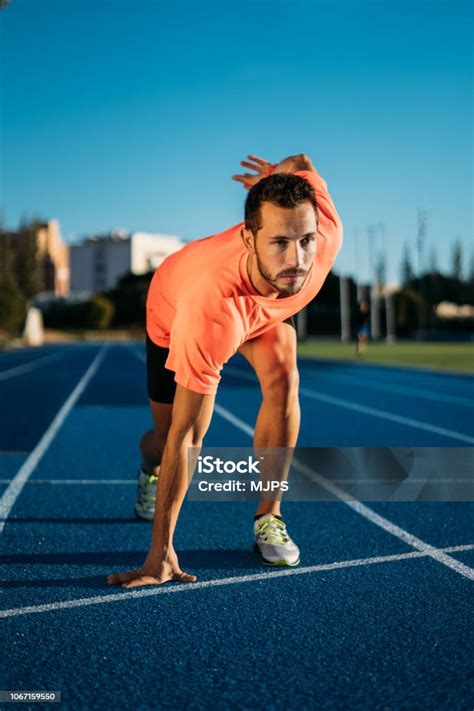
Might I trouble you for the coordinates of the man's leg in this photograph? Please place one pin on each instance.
(273, 357)
(161, 392)
(153, 442)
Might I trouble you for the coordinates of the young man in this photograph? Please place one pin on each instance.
(234, 292)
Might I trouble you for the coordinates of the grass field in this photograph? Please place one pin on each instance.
(457, 357)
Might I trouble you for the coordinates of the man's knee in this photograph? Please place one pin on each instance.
(280, 383)
(153, 440)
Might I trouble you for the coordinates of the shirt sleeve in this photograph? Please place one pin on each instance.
(330, 231)
(201, 342)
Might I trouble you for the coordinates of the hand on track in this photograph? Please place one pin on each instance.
(152, 574)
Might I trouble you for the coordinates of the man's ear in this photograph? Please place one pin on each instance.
(247, 239)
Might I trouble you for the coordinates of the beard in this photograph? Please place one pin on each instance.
(290, 288)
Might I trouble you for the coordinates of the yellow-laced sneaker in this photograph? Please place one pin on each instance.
(146, 495)
(273, 542)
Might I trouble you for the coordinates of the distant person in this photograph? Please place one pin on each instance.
(362, 328)
(234, 292)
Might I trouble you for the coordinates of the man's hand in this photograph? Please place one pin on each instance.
(294, 163)
(264, 168)
(153, 573)
(261, 166)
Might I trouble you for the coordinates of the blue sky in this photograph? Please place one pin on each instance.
(135, 114)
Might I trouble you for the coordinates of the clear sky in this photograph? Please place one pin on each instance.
(134, 114)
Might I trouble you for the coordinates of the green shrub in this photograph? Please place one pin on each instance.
(96, 313)
(12, 308)
(411, 311)
(129, 299)
(99, 313)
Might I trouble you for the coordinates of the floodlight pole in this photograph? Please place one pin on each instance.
(374, 287)
(344, 298)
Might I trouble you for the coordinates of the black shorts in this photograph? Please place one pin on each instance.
(160, 381)
(161, 384)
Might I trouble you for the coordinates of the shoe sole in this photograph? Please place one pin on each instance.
(278, 563)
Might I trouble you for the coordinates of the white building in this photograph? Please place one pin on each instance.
(98, 263)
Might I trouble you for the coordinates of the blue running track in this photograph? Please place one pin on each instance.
(377, 616)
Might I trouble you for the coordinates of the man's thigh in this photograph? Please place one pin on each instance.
(161, 387)
(168, 401)
(273, 350)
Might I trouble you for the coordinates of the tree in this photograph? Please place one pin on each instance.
(129, 299)
(456, 260)
(28, 267)
(12, 303)
(433, 261)
(7, 261)
(12, 308)
(406, 268)
(411, 311)
(471, 268)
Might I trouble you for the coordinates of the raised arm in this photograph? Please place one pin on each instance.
(263, 168)
(192, 414)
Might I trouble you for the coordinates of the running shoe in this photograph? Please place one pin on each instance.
(273, 542)
(146, 494)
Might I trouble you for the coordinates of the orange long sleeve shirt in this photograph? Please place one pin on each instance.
(202, 306)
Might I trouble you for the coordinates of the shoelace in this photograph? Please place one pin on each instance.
(273, 531)
(147, 494)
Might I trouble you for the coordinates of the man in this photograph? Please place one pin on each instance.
(234, 292)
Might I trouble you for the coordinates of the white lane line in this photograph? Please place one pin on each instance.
(12, 492)
(367, 382)
(27, 367)
(140, 356)
(358, 507)
(152, 591)
(236, 421)
(363, 510)
(350, 405)
(406, 421)
(384, 523)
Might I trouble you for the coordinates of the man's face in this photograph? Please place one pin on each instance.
(285, 246)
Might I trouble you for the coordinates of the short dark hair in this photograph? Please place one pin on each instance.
(281, 189)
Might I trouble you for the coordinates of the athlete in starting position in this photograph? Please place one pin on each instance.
(234, 292)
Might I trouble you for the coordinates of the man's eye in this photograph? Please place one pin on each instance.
(280, 242)
(306, 240)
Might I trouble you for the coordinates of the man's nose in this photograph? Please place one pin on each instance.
(294, 257)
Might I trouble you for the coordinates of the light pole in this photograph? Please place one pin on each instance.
(344, 298)
(374, 286)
